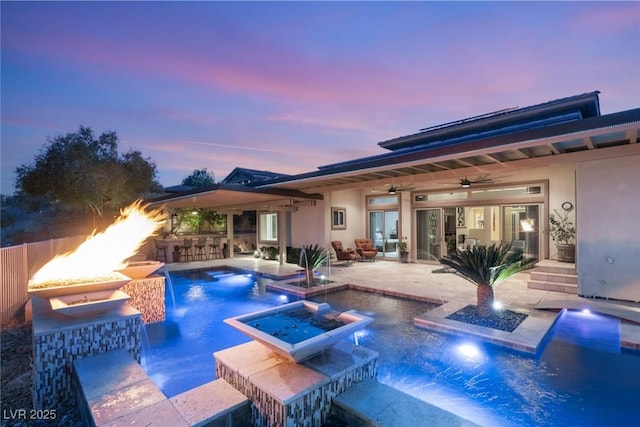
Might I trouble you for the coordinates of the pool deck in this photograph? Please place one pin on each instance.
(423, 282)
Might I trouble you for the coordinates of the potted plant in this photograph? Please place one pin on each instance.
(403, 249)
(269, 252)
(562, 231)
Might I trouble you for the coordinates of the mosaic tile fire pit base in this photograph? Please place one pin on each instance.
(148, 296)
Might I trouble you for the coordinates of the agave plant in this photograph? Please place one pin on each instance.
(486, 267)
(312, 257)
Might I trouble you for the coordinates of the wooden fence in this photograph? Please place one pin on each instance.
(19, 263)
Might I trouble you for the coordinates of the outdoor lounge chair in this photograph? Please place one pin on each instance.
(348, 255)
(366, 250)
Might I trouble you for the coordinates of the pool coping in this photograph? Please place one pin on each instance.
(529, 337)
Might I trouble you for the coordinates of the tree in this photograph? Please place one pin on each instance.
(81, 172)
(486, 267)
(199, 178)
(195, 217)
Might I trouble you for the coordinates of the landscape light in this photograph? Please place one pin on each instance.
(469, 350)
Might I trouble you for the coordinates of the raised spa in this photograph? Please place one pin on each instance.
(301, 329)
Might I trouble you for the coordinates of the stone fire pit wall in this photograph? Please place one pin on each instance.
(60, 340)
(148, 296)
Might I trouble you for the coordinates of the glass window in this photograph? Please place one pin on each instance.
(385, 200)
(458, 195)
(338, 218)
(506, 192)
(269, 227)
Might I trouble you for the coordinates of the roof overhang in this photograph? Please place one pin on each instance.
(227, 198)
(597, 137)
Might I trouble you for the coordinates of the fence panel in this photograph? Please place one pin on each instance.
(19, 263)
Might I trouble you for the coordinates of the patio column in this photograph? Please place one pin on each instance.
(282, 234)
(230, 233)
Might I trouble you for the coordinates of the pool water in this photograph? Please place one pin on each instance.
(581, 378)
(179, 354)
(294, 326)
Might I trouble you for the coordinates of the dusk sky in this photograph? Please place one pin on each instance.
(289, 86)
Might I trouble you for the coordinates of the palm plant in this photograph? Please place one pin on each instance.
(312, 257)
(486, 267)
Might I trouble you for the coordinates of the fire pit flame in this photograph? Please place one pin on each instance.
(103, 253)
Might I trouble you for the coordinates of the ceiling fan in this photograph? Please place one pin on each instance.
(393, 189)
(466, 182)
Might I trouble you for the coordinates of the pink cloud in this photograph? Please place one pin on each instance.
(610, 18)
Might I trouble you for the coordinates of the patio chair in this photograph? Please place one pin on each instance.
(161, 251)
(214, 252)
(202, 243)
(366, 250)
(187, 250)
(348, 255)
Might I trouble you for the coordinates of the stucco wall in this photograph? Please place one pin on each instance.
(608, 250)
(562, 184)
(307, 225)
(353, 201)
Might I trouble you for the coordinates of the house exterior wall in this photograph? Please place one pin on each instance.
(608, 224)
(562, 188)
(307, 225)
(354, 203)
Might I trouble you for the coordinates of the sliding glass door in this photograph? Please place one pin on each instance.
(521, 227)
(383, 231)
(429, 236)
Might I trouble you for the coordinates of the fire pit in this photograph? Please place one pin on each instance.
(78, 307)
(141, 269)
(52, 288)
(94, 265)
(91, 303)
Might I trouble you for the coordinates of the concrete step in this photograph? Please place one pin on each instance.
(371, 403)
(543, 276)
(567, 288)
(551, 266)
(115, 391)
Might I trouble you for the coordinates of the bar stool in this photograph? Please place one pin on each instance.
(215, 249)
(200, 254)
(187, 250)
(161, 251)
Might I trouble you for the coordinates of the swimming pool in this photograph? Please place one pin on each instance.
(580, 378)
